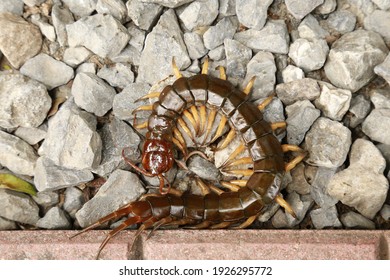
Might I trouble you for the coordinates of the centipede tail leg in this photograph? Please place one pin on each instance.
(280, 200)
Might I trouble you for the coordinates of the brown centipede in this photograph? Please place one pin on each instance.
(213, 209)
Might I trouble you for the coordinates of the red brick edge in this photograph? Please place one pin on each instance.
(199, 244)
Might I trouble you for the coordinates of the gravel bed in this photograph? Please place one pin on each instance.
(72, 70)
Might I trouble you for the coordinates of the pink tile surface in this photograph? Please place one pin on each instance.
(200, 244)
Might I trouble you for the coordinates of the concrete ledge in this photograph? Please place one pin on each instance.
(199, 244)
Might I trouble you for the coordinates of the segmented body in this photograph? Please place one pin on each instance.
(264, 148)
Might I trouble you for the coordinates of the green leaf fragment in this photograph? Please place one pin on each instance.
(9, 181)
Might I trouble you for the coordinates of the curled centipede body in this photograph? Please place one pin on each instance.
(213, 209)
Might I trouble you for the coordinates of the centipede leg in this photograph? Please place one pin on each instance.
(266, 102)
(279, 200)
(195, 115)
(221, 225)
(220, 128)
(247, 222)
(276, 125)
(205, 67)
(292, 148)
(202, 116)
(236, 152)
(210, 121)
(176, 70)
(227, 140)
(249, 86)
(141, 125)
(202, 225)
(153, 94)
(222, 73)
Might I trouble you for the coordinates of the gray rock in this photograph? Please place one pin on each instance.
(227, 8)
(382, 4)
(224, 29)
(143, 14)
(33, 3)
(325, 218)
(358, 110)
(360, 8)
(333, 102)
(31, 135)
(169, 3)
(45, 69)
(237, 58)
(262, 66)
(49, 176)
(328, 143)
(74, 200)
(292, 73)
(310, 29)
(61, 16)
(299, 9)
(385, 150)
(274, 112)
(55, 218)
(92, 94)
(24, 102)
(319, 187)
(102, 34)
(46, 199)
(309, 55)
(327, 7)
(124, 102)
(195, 45)
(116, 136)
(203, 168)
(352, 59)
(47, 30)
(385, 212)
(7, 224)
(299, 183)
(121, 188)
(81, 8)
(355, 220)
(72, 140)
(117, 75)
(162, 44)
(362, 185)
(18, 49)
(383, 69)
(253, 13)
(76, 56)
(380, 97)
(137, 39)
(128, 55)
(18, 207)
(116, 8)
(297, 90)
(379, 21)
(199, 13)
(341, 21)
(377, 125)
(12, 6)
(273, 37)
(17, 155)
(300, 117)
(86, 68)
(217, 54)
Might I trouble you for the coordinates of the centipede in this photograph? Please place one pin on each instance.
(200, 98)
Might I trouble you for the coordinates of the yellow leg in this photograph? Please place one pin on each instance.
(141, 125)
(180, 146)
(221, 225)
(203, 114)
(176, 70)
(210, 122)
(243, 160)
(277, 125)
(249, 86)
(266, 102)
(279, 200)
(152, 94)
(220, 128)
(247, 223)
(195, 114)
(179, 137)
(227, 140)
(242, 172)
(143, 108)
(204, 188)
(190, 117)
(292, 148)
(222, 73)
(241, 183)
(182, 123)
(236, 152)
(205, 68)
(230, 186)
(290, 165)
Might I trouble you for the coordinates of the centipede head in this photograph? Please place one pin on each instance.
(157, 156)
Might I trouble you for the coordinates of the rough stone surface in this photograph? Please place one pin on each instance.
(31, 135)
(45, 69)
(49, 176)
(75, 56)
(18, 49)
(102, 34)
(121, 188)
(355, 220)
(55, 218)
(309, 55)
(24, 102)
(118, 75)
(310, 29)
(327, 143)
(215, 35)
(292, 73)
(299, 9)
(195, 45)
(92, 94)
(359, 109)
(362, 185)
(81, 8)
(7, 224)
(341, 21)
(333, 102)
(377, 125)
(17, 155)
(74, 200)
(162, 44)
(143, 14)
(203, 168)
(352, 58)
(199, 13)
(116, 8)
(379, 21)
(319, 184)
(61, 16)
(383, 69)
(380, 97)
(72, 140)
(18, 207)
(46, 199)
(382, 4)
(302, 89)
(253, 13)
(300, 116)
(273, 37)
(325, 218)
(237, 58)
(169, 3)
(12, 6)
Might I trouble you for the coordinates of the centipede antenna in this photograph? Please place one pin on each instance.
(176, 70)
(279, 200)
(205, 67)
(249, 86)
